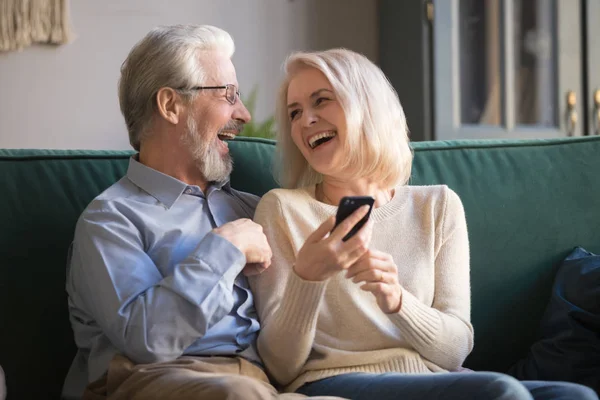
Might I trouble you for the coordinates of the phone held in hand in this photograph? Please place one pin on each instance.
(347, 206)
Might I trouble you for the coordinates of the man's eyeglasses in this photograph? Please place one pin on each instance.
(231, 92)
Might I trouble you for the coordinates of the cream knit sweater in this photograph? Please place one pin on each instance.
(314, 330)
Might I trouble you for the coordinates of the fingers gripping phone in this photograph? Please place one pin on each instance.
(347, 206)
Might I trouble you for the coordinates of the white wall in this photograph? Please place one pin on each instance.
(66, 97)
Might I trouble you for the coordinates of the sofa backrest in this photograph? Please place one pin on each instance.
(528, 203)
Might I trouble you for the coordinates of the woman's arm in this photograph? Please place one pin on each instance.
(443, 333)
(287, 305)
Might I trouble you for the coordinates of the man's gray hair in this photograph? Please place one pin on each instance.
(168, 56)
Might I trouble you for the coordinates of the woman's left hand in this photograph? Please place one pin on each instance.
(380, 274)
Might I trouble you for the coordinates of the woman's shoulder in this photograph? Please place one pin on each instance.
(428, 190)
(284, 196)
(440, 200)
(280, 201)
(437, 194)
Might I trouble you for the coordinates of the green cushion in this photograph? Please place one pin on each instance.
(528, 203)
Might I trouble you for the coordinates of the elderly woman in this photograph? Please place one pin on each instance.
(385, 314)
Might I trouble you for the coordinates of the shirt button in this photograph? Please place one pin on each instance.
(188, 191)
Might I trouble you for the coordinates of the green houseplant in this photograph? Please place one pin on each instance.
(264, 129)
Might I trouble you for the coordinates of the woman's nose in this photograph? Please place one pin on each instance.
(310, 118)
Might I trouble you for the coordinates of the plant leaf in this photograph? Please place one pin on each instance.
(265, 129)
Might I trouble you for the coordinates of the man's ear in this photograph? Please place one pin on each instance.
(169, 104)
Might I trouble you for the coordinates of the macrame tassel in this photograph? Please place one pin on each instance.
(24, 22)
(7, 31)
(60, 33)
(40, 21)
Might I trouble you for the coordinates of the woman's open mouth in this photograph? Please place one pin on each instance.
(321, 138)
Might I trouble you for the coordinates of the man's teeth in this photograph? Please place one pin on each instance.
(313, 140)
(226, 135)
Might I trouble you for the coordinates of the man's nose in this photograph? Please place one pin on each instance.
(241, 113)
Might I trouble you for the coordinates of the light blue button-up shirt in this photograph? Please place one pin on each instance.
(147, 278)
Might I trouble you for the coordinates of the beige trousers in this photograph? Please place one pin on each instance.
(185, 378)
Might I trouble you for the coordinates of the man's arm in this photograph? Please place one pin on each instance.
(147, 316)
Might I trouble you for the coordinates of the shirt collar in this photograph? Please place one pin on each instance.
(221, 185)
(162, 187)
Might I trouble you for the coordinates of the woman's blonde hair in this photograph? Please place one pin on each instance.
(377, 146)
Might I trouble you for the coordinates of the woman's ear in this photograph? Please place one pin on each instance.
(169, 104)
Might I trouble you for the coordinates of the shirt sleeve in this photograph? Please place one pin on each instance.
(288, 306)
(147, 316)
(443, 332)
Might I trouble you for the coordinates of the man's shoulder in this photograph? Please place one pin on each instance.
(249, 199)
(108, 201)
(245, 195)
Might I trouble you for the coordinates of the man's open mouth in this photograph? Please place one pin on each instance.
(226, 136)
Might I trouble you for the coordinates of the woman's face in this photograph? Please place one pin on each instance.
(318, 123)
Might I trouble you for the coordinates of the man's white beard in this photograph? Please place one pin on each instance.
(212, 165)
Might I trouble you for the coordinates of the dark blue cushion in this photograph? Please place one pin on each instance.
(568, 348)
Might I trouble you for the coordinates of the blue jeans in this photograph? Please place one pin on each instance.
(447, 386)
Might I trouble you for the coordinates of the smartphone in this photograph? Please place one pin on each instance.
(347, 206)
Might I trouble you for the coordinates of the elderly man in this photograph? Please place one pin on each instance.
(158, 298)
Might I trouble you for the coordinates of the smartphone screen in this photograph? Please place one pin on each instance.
(347, 206)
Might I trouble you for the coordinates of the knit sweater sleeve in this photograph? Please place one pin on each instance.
(287, 305)
(443, 332)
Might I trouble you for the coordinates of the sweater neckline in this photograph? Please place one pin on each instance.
(378, 214)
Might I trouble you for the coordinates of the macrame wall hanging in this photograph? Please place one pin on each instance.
(27, 22)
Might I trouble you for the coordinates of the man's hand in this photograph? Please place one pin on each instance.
(249, 238)
(254, 268)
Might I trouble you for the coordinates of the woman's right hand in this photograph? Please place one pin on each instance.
(323, 255)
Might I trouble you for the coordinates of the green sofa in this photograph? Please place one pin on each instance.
(528, 203)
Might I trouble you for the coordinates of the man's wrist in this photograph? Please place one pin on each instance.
(215, 232)
(220, 254)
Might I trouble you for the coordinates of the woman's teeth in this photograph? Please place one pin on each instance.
(320, 138)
